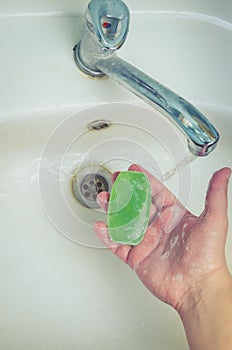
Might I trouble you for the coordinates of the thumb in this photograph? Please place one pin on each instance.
(216, 199)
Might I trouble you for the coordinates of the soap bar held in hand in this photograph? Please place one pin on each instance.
(129, 208)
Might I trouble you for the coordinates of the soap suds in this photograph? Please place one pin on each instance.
(178, 278)
(173, 241)
(172, 245)
(183, 234)
(145, 272)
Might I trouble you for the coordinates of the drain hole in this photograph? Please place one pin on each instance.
(92, 184)
(99, 124)
(87, 185)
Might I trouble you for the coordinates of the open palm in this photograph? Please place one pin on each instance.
(179, 249)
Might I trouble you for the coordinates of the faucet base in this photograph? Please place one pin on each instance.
(80, 64)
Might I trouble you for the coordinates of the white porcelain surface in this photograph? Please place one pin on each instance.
(55, 294)
(222, 9)
(191, 56)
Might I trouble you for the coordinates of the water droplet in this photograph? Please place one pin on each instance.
(179, 278)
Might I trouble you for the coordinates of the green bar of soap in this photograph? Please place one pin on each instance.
(129, 208)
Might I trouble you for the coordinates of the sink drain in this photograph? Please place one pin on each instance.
(92, 184)
(87, 185)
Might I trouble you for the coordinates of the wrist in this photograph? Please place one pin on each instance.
(206, 312)
(207, 289)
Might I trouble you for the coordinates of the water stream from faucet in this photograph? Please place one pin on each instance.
(189, 158)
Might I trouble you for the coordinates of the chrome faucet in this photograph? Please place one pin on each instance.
(106, 28)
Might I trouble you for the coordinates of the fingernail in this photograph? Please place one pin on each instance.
(114, 175)
(99, 228)
(98, 199)
(134, 167)
(229, 174)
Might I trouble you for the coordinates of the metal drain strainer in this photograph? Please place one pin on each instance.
(92, 184)
(87, 185)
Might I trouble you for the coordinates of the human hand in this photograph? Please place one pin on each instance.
(179, 250)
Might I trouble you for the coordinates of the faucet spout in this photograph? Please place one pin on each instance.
(201, 135)
(96, 55)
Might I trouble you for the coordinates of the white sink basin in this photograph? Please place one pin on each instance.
(56, 294)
